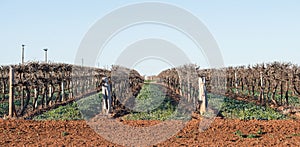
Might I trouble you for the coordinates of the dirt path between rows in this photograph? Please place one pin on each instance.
(220, 133)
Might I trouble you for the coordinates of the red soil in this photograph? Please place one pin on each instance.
(220, 133)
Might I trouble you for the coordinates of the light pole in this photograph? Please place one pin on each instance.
(46, 60)
(23, 46)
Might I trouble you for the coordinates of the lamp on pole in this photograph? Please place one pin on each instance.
(46, 60)
(23, 46)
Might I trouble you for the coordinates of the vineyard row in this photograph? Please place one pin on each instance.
(39, 86)
(276, 84)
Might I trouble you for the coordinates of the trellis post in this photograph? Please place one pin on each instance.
(261, 87)
(21, 90)
(62, 91)
(2, 92)
(35, 97)
(188, 89)
(236, 83)
(202, 95)
(50, 93)
(180, 86)
(11, 93)
(45, 96)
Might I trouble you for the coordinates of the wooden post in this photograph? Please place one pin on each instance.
(188, 89)
(1, 86)
(180, 86)
(218, 82)
(261, 79)
(50, 92)
(75, 87)
(236, 83)
(21, 90)
(43, 96)
(36, 98)
(11, 93)
(70, 89)
(3, 90)
(46, 96)
(202, 95)
(82, 86)
(262, 87)
(62, 91)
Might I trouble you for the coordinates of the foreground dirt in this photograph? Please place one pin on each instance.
(220, 133)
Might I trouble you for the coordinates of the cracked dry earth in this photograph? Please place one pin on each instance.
(221, 132)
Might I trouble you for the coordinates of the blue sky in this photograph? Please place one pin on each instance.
(247, 32)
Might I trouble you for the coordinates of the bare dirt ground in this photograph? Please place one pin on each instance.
(220, 133)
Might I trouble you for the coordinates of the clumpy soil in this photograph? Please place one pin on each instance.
(221, 132)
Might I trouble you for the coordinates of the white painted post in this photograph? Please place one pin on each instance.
(50, 95)
(45, 96)
(180, 86)
(261, 84)
(202, 95)
(236, 83)
(50, 91)
(75, 87)
(22, 95)
(3, 90)
(188, 89)
(106, 96)
(218, 81)
(11, 93)
(71, 89)
(62, 91)
(36, 97)
(261, 79)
